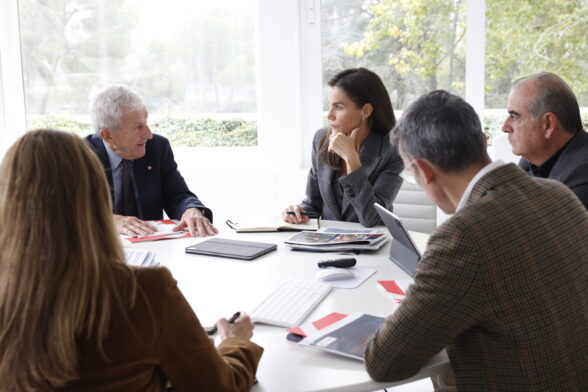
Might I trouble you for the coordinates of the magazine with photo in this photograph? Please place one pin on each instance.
(329, 238)
(348, 336)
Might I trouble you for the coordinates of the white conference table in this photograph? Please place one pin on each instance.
(218, 287)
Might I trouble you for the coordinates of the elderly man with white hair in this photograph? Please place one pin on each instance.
(140, 167)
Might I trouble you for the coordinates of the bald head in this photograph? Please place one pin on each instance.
(547, 92)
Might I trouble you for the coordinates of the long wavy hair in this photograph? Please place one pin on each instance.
(361, 86)
(62, 270)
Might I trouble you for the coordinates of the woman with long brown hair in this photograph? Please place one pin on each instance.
(73, 316)
(353, 162)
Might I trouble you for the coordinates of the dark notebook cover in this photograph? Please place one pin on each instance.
(350, 339)
(234, 249)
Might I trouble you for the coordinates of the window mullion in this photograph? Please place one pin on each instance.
(12, 73)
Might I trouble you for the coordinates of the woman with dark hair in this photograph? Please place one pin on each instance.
(73, 315)
(353, 162)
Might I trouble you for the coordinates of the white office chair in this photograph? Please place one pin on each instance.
(414, 209)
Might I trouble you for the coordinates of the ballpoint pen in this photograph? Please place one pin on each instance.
(231, 320)
(311, 215)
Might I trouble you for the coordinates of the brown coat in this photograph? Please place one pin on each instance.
(164, 341)
(503, 285)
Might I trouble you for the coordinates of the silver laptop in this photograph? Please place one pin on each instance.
(403, 251)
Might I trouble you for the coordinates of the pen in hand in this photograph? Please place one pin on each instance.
(231, 320)
(311, 215)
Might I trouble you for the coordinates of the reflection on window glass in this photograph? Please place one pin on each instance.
(551, 38)
(192, 61)
(415, 46)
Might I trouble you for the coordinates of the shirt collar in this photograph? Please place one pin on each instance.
(113, 157)
(485, 170)
(544, 169)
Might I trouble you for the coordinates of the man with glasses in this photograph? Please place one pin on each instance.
(545, 128)
(502, 284)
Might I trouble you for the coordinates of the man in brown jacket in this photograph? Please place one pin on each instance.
(503, 284)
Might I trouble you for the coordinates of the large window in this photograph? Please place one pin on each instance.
(2, 122)
(528, 36)
(415, 46)
(418, 46)
(193, 61)
(3, 132)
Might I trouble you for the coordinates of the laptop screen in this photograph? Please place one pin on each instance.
(403, 252)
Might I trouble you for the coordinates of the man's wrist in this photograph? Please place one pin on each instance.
(196, 212)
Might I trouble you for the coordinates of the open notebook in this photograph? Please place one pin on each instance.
(264, 225)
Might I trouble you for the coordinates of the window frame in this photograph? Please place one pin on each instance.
(12, 77)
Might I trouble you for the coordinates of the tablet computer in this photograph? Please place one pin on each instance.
(403, 251)
(233, 249)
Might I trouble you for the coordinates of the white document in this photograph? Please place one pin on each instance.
(140, 257)
(163, 227)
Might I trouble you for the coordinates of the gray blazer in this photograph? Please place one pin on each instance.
(571, 167)
(377, 180)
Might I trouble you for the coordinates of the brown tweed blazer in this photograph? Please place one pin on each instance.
(503, 285)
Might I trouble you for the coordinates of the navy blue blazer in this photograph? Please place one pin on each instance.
(571, 167)
(158, 183)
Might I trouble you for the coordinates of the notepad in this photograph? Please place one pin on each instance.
(234, 249)
(253, 225)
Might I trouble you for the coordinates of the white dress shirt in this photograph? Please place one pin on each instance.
(486, 169)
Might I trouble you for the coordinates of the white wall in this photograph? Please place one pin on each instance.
(256, 194)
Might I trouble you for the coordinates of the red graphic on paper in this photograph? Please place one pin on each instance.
(391, 287)
(328, 320)
(319, 324)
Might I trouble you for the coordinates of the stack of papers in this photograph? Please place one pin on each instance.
(336, 240)
(163, 231)
(140, 257)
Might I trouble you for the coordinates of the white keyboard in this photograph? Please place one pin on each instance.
(290, 302)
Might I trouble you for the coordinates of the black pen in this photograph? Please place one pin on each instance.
(231, 320)
(312, 215)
